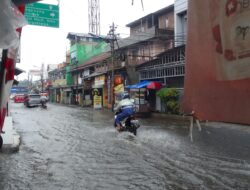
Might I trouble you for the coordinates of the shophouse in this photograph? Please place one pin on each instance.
(180, 14)
(58, 84)
(83, 47)
(169, 66)
(94, 68)
(93, 80)
(150, 36)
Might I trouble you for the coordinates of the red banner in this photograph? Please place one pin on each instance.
(217, 79)
(7, 76)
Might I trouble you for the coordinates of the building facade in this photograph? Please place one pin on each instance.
(95, 75)
(180, 14)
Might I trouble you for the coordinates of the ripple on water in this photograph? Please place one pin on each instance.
(72, 149)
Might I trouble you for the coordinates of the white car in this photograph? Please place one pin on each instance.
(32, 100)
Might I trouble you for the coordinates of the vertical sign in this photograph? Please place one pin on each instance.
(97, 97)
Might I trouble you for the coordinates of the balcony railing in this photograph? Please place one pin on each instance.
(163, 71)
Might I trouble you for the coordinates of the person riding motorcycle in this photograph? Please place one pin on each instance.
(126, 107)
(43, 101)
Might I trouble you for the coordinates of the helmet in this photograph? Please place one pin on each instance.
(125, 95)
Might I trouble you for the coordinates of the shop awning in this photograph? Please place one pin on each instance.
(146, 84)
(154, 85)
(142, 84)
(95, 74)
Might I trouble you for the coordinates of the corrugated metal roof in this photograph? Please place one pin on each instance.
(159, 12)
(140, 37)
(73, 35)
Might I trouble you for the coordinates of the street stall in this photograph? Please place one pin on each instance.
(140, 93)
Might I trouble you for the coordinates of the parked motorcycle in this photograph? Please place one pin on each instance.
(130, 124)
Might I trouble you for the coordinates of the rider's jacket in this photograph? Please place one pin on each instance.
(43, 99)
(123, 104)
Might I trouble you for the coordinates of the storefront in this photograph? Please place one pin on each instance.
(143, 93)
(66, 95)
(58, 95)
(87, 93)
(99, 92)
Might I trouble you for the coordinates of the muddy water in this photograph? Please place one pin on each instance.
(75, 148)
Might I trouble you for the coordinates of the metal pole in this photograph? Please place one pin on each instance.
(42, 76)
(112, 59)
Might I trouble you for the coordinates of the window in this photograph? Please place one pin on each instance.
(167, 23)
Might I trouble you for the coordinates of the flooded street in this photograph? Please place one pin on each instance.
(77, 148)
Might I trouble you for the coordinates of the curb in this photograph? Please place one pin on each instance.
(11, 139)
(171, 117)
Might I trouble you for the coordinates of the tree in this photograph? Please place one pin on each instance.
(170, 97)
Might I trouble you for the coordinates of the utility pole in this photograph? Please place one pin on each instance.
(112, 37)
(42, 70)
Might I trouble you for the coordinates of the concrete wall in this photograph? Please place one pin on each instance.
(180, 6)
(180, 9)
(166, 21)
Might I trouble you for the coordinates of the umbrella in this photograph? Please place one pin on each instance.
(154, 85)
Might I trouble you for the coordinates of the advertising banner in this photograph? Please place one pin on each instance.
(217, 71)
(231, 37)
(97, 98)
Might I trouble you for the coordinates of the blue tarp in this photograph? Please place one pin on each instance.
(142, 84)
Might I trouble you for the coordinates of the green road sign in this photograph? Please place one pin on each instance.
(42, 14)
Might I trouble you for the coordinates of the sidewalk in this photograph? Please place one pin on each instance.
(186, 119)
(11, 139)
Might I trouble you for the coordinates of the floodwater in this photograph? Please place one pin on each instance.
(77, 148)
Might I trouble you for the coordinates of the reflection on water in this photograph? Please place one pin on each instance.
(72, 148)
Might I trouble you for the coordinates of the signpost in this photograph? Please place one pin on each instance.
(42, 14)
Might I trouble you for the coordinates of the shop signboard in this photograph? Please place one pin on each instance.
(97, 97)
(59, 82)
(86, 72)
(100, 80)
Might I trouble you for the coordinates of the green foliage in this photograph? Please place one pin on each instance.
(170, 96)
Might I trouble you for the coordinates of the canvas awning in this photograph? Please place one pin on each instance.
(146, 84)
(142, 84)
(154, 85)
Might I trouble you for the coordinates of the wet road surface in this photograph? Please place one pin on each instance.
(77, 148)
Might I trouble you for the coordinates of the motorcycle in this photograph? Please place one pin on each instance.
(130, 124)
(43, 105)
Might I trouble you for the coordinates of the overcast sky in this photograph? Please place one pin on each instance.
(49, 45)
